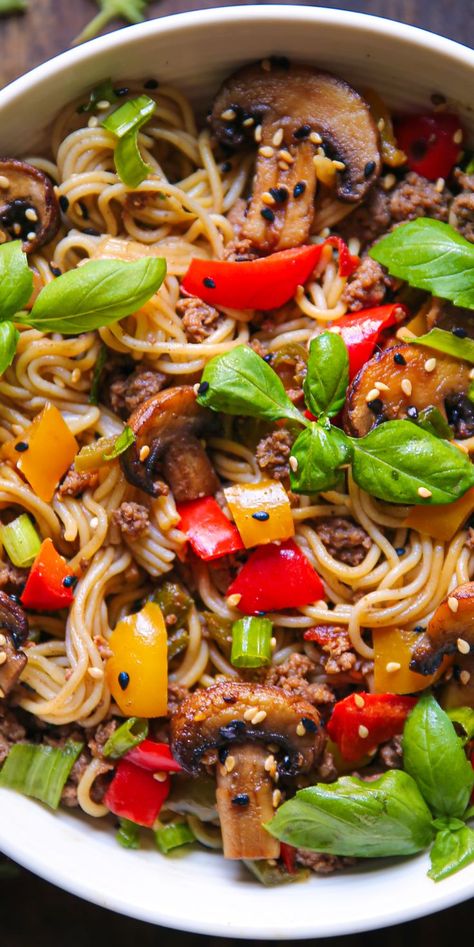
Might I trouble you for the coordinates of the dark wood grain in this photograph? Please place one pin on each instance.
(53, 918)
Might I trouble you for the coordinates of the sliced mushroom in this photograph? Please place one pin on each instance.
(450, 630)
(256, 734)
(14, 629)
(294, 105)
(29, 210)
(445, 315)
(171, 424)
(459, 690)
(411, 384)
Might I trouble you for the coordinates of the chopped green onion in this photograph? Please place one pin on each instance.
(12, 6)
(125, 123)
(173, 836)
(122, 442)
(431, 420)
(128, 735)
(271, 875)
(177, 641)
(129, 116)
(128, 834)
(97, 376)
(251, 642)
(21, 541)
(39, 771)
(129, 164)
(102, 93)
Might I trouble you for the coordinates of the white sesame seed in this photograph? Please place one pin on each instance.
(283, 166)
(359, 701)
(269, 763)
(259, 717)
(335, 329)
(258, 134)
(373, 393)
(31, 214)
(93, 121)
(424, 492)
(196, 388)
(94, 522)
(144, 451)
(266, 151)
(301, 729)
(16, 229)
(31, 235)
(465, 677)
(276, 798)
(249, 713)
(339, 165)
(463, 646)
(381, 386)
(3, 657)
(471, 374)
(388, 181)
(430, 365)
(3, 641)
(406, 387)
(448, 675)
(273, 643)
(4, 181)
(266, 65)
(293, 462)
(248, 122)
(229, 763)
(76, 375)
(392, 666)
(228, 115)
(315, 138)
(440, 185)
(199, 716)
(2, 692)
(381, 124)
(363, 732)
(277, 138)
(458, 136)
(284, 155)
(160, 777)
(233, 600)
(453, 603)
(103, 105)
(96, 673)
(268, 198)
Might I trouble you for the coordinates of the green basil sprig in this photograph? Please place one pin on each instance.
(16, 279)
(446, 342)
(430, 255)
(320, 454)
(327, 378)
(123, 442)
(8, 342)
(452, 850)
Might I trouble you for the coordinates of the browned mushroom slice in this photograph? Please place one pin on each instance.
(294, 106)
(451, 629)
(14, 629)
(459, 690)
(241, 721)
(171, 424)
(412, 382)
(29, 210)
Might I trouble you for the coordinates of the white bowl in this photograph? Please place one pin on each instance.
(199, 891)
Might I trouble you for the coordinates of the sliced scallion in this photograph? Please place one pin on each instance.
(251, 642)
(39, 771)
(128, 735)
(125, 123)
(173, 836)
(128, 834)
(20, 541)
(129, 116)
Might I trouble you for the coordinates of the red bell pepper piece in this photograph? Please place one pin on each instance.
(429, 142)
(288, 857)
(156, 757)
(266, 283)
(50, 583)
(382, 715)
(135, 794)
(274, 577)
(361, 331)
(211, 535)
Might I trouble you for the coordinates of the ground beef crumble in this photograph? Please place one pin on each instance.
(11, 732)
(337, 654)
(321, 863)
(12, 579)
(75, 483)
(344, 540)
(127, 392)
(461, 212)
(391, 753)
(132, 519)
(367, 287)
(199, 320)
(293, 676)
(273, 453)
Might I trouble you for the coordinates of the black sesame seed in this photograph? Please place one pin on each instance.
(260, 614)
(459, 332)
(21, 447)
(229, 700)
(223, 753)
(124, 680)
(203, 387)
(279, 194)
(438, 99)
(230, 731)
(267, 214)
(302, 132)
(280, 61)
(400, 550)
(331, 606)
(412, 412)
(369, 169)
(242, 799)
(309, 724)
(85, 212)
(208, 282)
(398, 359)
(261, 516)
(70, 581)
(63, 203)
(299, 189)
(419, 629)
(55, 270)
(122, 91)
(91, 232)
(226, 167)
(376, 406)
(151, 84)
(13, 597)
(268, 358)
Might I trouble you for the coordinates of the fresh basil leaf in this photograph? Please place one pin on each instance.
(446, 822)
(386, 816)
(16, 279)
(240, 382)
(464, 717)
(97, 375)
(469, 813)
(434, 757)
(95, 294)
(123, 442)
(451, 852)
(394, 460)
(430, 255)
(430, 419)
(320, 454)
(8, 342)
(327, 378)
(446, 342)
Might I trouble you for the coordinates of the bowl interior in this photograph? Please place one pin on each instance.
(200, 892)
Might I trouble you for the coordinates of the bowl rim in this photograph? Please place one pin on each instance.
(23, 851)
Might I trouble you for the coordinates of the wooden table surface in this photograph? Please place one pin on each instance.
(39, 913)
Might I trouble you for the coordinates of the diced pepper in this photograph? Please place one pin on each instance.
(432, 143)
(361, 331)
(358, 730)
(288, 857)
(211, 535)
(275, 577)
(261, 511)
(266, 283)
(442, 522)
(391, 153)
(393, 649)
(50, 584)
(137, 672)
(135, 794)
(156, 757)
(49, 452)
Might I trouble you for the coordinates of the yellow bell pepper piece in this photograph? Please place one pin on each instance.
(261, 511)
(393, 648)
(50, 452)
(391, 153)
(442, 522)
(137, 672)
